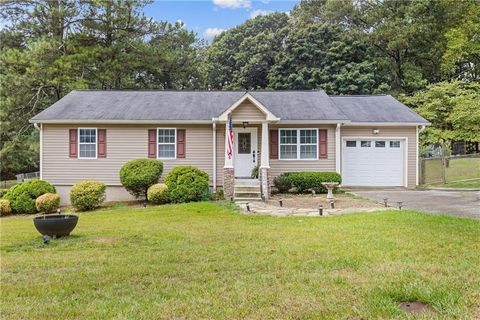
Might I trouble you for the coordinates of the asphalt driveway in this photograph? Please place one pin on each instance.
(454, 203)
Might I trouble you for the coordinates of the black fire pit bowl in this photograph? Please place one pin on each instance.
(57, 225)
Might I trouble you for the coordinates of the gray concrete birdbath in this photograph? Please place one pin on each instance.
(330, 186)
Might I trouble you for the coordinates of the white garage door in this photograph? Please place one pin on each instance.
(373, 162)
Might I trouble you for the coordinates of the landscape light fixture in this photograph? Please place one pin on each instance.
(320, 210)
(385, 201)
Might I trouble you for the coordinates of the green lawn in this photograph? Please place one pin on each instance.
(470, 184)
(206, 260)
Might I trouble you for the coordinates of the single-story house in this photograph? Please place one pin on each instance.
(90, 134)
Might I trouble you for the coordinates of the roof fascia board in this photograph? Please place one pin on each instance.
(68, 121)
(260, 106)
(341, 121)
(386, 124)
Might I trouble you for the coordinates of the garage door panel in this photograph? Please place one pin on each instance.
(380, 165)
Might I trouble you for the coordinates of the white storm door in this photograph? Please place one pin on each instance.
(245, 151)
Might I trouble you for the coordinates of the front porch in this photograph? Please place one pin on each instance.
(250, 150)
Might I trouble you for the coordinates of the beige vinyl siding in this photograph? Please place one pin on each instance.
(247, 112)
(278, 166)
(407, 132)
(124, 142)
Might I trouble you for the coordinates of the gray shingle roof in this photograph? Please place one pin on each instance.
(126, 105)
(382, 108)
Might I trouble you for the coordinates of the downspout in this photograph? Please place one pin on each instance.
(214, 141)
(40, 129)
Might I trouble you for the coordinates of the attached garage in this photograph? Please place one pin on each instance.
(374, 161)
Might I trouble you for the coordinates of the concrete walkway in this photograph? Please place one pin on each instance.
(262, 208)
(454, 203)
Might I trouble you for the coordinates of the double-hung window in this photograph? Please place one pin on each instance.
(87, 143)
(167, 143)
(298, 144)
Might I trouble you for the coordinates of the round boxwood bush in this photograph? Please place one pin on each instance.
(187, 183)
(22, 196)
(5, 208)
(138, 175)
(158, 193)
(47, 202)
(87, 195)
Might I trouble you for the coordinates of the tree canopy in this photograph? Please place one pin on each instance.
(426, 52)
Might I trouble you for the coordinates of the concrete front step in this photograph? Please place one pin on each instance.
(247, 182)
(247, 199)
(255, 195)
(247, 189)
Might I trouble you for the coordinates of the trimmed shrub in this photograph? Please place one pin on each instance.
(187, 183)
(5, 207)
(3, 192)
(158, 193)
(22, 196)
(87, 195)
(138, 175)
(304, 181)
(282, 183)
(47, 202)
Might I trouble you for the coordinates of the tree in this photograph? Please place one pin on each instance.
(324, 56)
(242, 56)
(453, 108)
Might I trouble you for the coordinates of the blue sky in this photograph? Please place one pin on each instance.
(209, 17)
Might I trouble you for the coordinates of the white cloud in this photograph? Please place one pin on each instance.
(233, 4)
(211, 33)
(265, 1)
(259, 12)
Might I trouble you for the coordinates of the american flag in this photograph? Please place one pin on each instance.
(230, 137)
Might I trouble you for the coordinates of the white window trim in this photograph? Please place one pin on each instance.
(175, 143)
(79, 143)
(298, 144)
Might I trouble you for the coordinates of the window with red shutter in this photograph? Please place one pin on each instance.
(152, 143)
(273, 148)
(322, 145)
(181, 146)
(102, 143)
(73, 143)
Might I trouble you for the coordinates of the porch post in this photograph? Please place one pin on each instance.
(265, 162)
(228, 170)
(338, 146)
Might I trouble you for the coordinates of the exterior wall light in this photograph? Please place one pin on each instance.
(245, 124)
(375, 131)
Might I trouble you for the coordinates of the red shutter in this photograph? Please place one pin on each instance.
(273, 144)
(73, 143)
(102, 143)
(322, 145)
(181, 143)
(152, 143)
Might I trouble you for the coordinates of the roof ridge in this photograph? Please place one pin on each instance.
(359, 95)
(191, 90)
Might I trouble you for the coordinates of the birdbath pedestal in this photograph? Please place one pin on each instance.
(330, 186)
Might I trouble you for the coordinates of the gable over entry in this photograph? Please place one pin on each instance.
(248, 108)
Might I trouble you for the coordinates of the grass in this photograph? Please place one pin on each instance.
(205, 260)
(469, 184)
